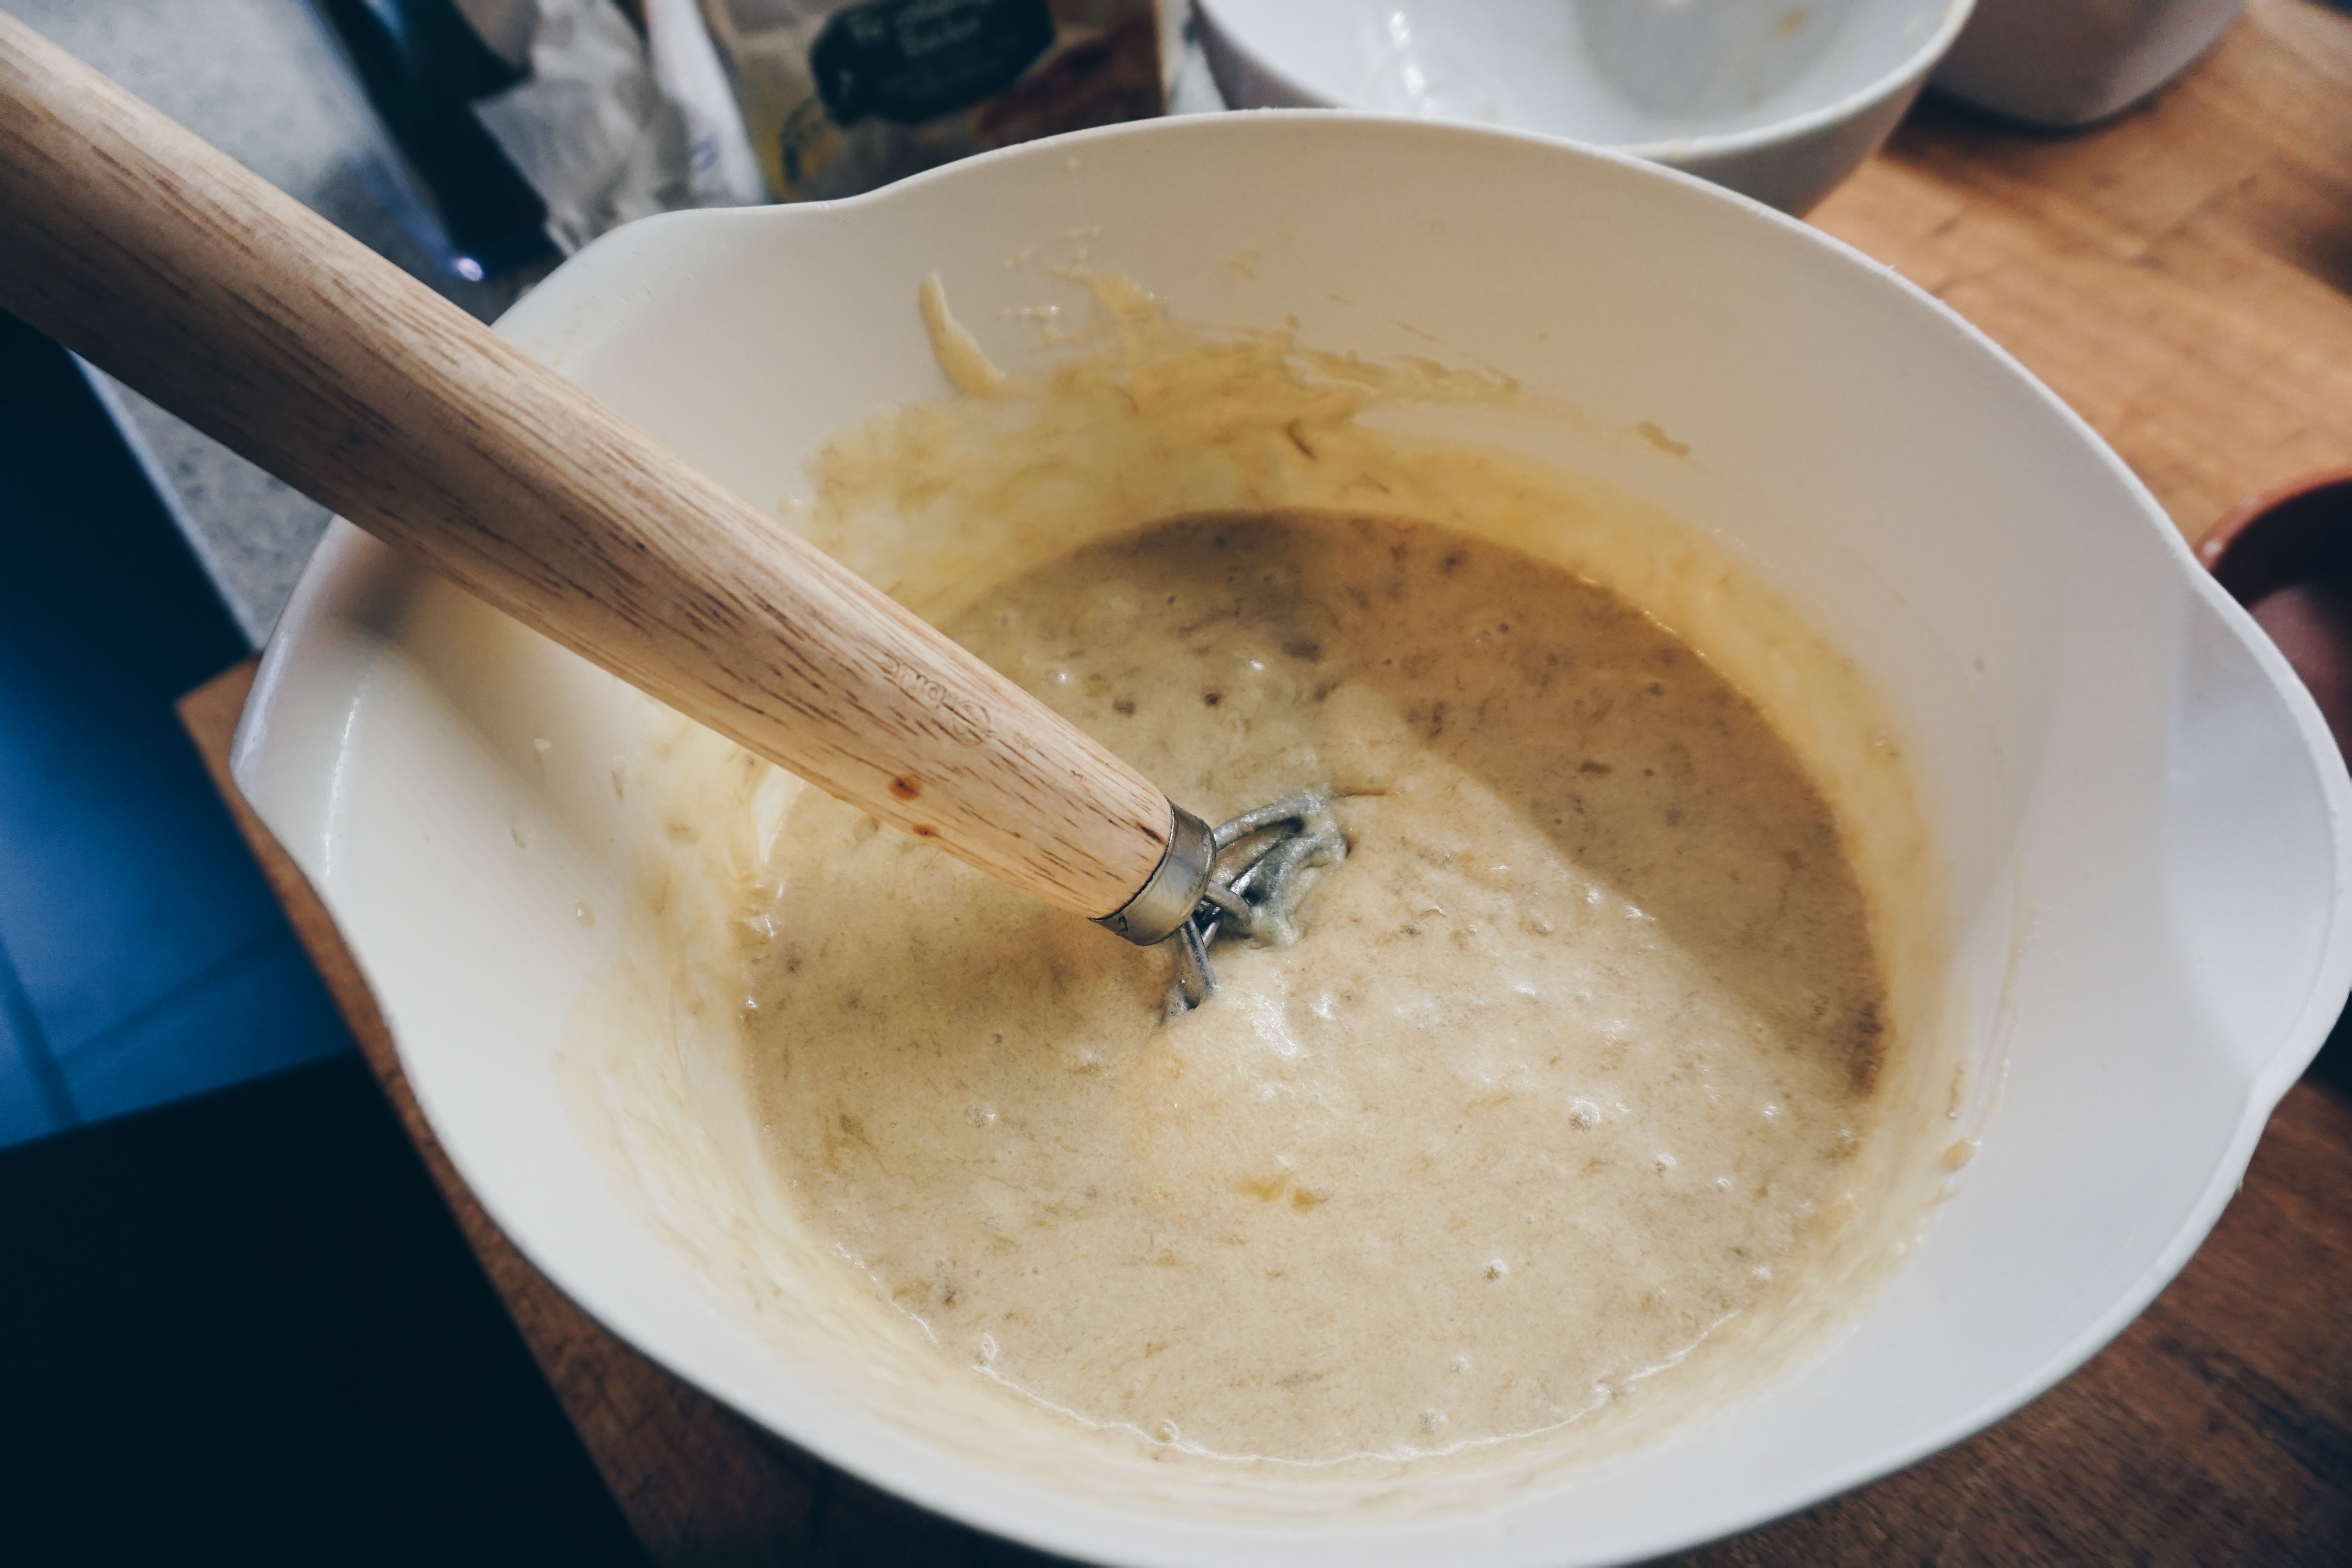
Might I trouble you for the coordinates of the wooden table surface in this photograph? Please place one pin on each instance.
(2183, 276)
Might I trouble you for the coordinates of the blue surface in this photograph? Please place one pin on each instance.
(141, 956)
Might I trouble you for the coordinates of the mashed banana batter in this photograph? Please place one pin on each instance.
(1611, 1079)
(1568, 1072)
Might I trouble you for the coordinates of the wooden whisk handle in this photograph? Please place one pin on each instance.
(170, 266)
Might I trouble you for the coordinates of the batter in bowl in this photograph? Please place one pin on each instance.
(1567, 1073)
(1614, 1073)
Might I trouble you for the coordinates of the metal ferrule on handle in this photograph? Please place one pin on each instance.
(1176, 887)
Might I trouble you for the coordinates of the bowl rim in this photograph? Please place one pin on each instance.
(1097, 1531)
(1911, 69)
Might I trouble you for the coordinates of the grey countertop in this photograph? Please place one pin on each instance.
(261, 81)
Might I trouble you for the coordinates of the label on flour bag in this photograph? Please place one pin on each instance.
(840, 97)
(911, 60)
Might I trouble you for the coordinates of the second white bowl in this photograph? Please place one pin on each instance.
(1773, 99)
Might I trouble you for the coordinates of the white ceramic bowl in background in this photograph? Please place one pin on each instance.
(1772, 99)
(2142, 812)
(2069, 62)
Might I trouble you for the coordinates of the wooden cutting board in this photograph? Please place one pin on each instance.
(2179, 276)
(2183, 276)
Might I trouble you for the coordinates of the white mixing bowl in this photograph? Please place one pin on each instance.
(1773, 99)
(2141, 812)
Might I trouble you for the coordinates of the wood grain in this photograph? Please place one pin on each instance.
(2180, 276)
(170, 266)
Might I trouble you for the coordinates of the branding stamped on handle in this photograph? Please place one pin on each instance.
(966, 721)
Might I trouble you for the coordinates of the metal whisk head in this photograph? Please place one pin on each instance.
(1255, 880)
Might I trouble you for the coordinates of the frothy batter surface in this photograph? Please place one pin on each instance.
(1567, 1074)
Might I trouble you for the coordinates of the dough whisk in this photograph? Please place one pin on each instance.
(168, 265)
